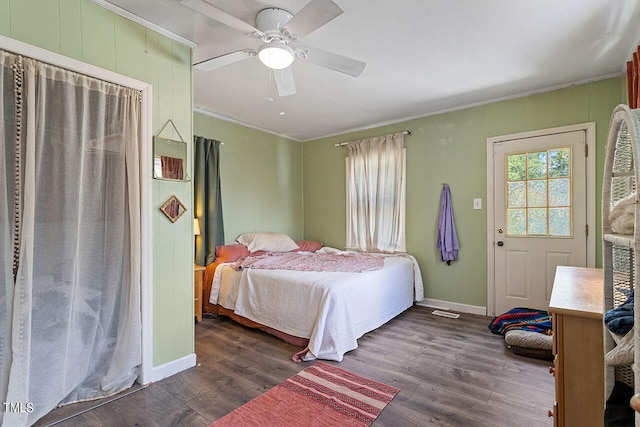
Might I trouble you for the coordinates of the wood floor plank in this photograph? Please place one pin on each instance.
(450, 372)
(152, 406)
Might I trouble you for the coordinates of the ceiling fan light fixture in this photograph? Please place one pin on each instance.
(276, 55)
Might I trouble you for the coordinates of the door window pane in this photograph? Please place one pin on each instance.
(559, 192)
(559, 162)
(537, 165)
(537, 221)
(559, 222)
(516, 194)
(517, 167)
(539, 193)
(517, 221)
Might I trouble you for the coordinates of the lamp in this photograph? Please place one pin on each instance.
(196, 227)
(276, 55)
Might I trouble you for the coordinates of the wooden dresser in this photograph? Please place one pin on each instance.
(576, 309)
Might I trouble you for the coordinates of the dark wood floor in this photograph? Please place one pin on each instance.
(450, 372)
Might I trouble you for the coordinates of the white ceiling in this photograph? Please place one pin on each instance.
(423, 57)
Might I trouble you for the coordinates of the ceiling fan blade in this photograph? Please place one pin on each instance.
(220, 15)
(313, 16)
(336, 62)
(226, 59)
(284, 81)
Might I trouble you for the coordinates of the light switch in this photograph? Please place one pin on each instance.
(477, 203)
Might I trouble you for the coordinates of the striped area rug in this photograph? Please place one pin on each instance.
(321, 395)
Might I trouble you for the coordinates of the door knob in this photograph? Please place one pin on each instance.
(500, 243)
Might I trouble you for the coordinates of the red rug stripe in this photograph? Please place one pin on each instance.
(337, 401)
(321, 395)
(340, 376)
(334, 391)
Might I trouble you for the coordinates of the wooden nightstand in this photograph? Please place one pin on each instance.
(198, 274)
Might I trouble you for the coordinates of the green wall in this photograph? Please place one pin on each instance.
(270, 183)
(261, 178)
(451, 148)
(84, 31)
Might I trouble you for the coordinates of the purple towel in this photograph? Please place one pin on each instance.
(447, 238)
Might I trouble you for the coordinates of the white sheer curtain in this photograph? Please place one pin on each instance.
(376, 194)
(74, 303)
(7, 170)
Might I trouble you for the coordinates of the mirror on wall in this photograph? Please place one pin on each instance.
(169, 159)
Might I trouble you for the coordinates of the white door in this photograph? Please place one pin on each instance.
(540, 215)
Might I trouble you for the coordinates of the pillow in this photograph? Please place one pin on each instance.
(270, 242)
(231, 253)
(309, 245)
(530, 344)
(528, 339)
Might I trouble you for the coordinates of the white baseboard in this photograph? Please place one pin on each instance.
(453, 306)
(171, 368)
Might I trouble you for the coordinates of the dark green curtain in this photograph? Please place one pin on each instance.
(207, 198)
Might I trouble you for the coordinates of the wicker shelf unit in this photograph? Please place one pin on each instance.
(620, 260)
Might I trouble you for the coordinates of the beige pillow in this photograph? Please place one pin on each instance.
(528, 339)
(269, 242)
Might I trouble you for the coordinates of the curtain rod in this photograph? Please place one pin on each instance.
(342, 144)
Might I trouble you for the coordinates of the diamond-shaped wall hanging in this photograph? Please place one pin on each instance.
(173, 208)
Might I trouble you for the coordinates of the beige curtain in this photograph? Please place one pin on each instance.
(376, 194)
(73, 299)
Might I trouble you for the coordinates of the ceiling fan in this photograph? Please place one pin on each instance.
(280, 33)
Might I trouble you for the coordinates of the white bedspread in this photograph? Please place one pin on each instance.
(332, 309)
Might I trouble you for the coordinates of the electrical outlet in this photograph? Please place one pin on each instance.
(477, 203)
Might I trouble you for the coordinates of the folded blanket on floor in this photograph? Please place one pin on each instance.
(521, 318)
(620, 319)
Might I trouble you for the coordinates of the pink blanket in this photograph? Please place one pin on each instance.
(350, 263)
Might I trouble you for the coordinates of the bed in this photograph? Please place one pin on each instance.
(323, 311)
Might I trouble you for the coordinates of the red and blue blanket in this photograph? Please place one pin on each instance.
(521, 318)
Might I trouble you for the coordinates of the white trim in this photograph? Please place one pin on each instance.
(467, 106)
(171, 368)
(138, 20)
(146, 216)
(146, 267)
(490, 227)
(68, 63)
(590, 140)
(590, 135)
(241, 123)
(453, 306)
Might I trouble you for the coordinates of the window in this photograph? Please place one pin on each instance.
(376, 170)
(539, 193)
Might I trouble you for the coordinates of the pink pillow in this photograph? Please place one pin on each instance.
(308, 245)
(231, 253)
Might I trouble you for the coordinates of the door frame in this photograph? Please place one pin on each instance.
(589, 129)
